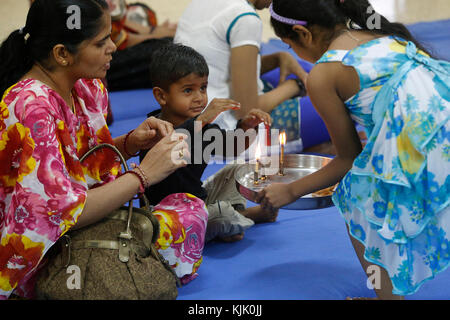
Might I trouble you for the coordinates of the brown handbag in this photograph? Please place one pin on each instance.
(113, 259)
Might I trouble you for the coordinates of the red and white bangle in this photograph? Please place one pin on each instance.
(125, 146)
(144, 177)
(141, 179)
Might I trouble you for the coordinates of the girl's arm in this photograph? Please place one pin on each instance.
(244, 83)
(323, 82)
(287, 64)
(244, 86)
(270, 62)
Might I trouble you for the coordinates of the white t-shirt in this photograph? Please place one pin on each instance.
(213, 28)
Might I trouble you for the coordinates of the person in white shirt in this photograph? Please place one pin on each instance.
(229, 35)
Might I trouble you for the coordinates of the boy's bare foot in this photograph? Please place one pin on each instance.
(233, 238)
(260, 215)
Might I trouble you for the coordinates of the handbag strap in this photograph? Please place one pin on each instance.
(142, 251)
(125, 236)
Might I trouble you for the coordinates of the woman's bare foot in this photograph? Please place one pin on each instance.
(260, 215)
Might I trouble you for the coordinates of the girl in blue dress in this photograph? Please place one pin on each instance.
(394, 192)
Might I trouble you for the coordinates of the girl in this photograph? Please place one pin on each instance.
(53, 110)
(394, 193)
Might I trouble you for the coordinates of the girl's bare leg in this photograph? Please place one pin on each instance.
(385, 290)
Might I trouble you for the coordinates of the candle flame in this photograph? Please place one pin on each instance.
(283, 138)
(258, 152)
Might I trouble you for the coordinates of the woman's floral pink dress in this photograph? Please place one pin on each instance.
(42, 183)
(43, 186)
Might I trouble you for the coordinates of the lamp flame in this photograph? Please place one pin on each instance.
(283, 138)
(258, 152)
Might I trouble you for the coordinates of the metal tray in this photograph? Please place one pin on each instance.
(296, 166)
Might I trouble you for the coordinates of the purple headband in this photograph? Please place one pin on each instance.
(284, 19)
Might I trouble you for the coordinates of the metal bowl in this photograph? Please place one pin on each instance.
(296, 166)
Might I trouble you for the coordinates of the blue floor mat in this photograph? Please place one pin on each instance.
(305, 254)
(435, 36)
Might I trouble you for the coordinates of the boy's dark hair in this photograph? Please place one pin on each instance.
(329, 13)
(174, 61)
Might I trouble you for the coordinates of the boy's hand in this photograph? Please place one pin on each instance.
(255, 117)
(216, 107)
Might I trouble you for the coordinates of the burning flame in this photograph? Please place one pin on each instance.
(283, 138)
(258, 152)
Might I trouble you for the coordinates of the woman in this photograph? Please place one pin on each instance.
(53, 110)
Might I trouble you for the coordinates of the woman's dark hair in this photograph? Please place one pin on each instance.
(172, 62)
(48, 24)
(329, 13)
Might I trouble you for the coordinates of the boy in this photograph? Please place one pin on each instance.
(179, 77)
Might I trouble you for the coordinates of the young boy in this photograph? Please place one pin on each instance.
(179, 77)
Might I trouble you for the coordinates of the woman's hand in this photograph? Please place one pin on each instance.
(165, 157)
(289, 65)
(148, 134)
(276, 196)
(216, 107)
(255, 117)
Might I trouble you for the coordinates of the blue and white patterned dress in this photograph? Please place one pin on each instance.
(395, 199)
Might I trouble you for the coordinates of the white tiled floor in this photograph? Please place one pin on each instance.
(13, 12)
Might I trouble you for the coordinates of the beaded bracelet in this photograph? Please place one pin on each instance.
(147, 184)
(141, 179)
(125, 145)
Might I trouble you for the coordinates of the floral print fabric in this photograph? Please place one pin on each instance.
(42, 183)
(395, 199)
(182, 218)
(286, 116)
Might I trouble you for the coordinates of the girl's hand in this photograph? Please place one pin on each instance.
(216, 107)
(148, 134)
(165, 157)
(255, 117)
(276, 196)
(289, 65)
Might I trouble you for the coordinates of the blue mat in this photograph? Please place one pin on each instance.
(305, 254)
(435, 36)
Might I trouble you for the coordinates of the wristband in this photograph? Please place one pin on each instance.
(302, 88)
(141, 172)
(125, 146)
(141, 179)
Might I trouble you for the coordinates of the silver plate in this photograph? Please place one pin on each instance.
(296, 166)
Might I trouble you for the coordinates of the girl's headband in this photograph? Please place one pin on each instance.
(285, 20)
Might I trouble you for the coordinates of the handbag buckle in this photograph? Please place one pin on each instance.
(124, 246)
(66, 249)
